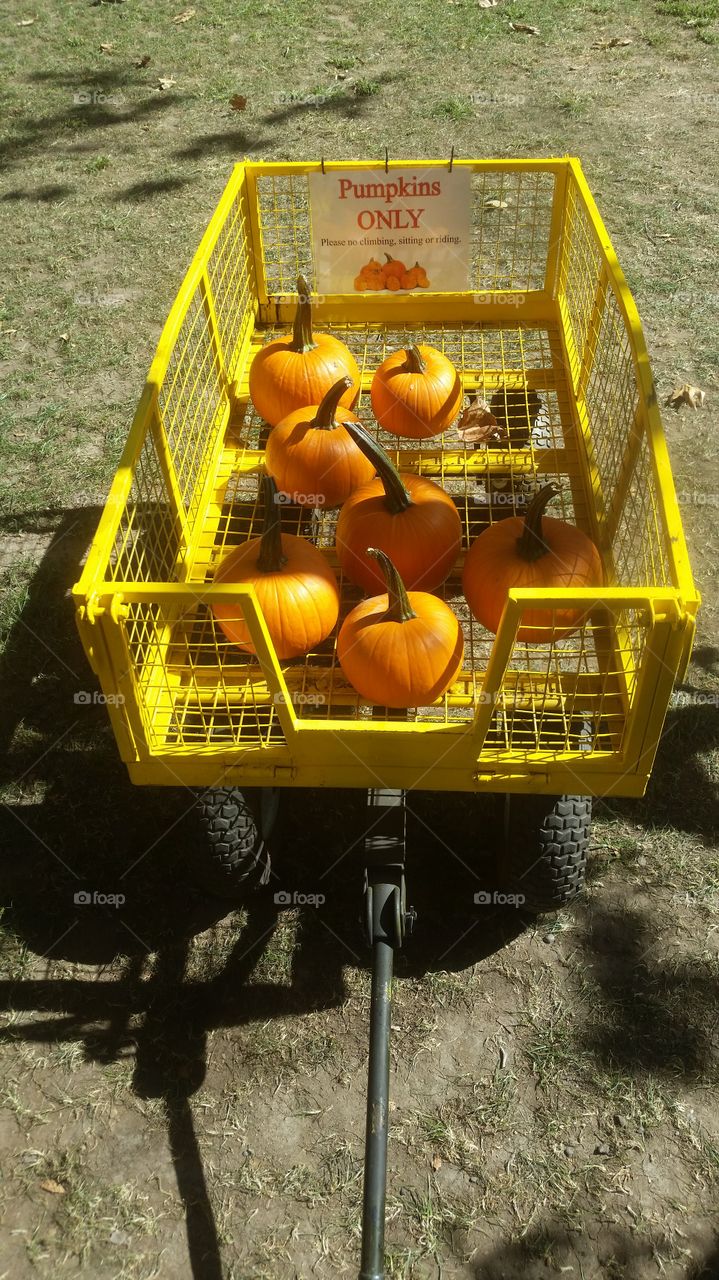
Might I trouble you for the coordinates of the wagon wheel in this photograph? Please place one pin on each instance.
(237, 826)
(544, 848)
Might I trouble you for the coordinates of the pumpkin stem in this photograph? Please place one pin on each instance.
(302, 339)
(325, 415)
(400, 609)
(396, 496)
(271, 557)
(530, 543)
(415, 361)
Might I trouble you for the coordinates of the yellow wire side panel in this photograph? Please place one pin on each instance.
(549, 335)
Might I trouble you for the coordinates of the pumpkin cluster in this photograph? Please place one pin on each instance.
(392, 275)
(398, 534)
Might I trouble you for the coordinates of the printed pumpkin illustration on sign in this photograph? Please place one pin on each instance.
(391, 231)
(394, 275)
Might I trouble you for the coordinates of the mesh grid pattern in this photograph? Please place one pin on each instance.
(149, 539)
(191, 402)
(603, 374)
(230, 274)
(198, 689)
(509, 235)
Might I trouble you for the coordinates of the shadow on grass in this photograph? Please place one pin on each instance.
(345, 104)
(141, 191)
(548, 1248)
(653, 1017)
(39, 195)
(34, 132)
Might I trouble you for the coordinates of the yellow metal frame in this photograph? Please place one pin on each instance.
(146, 586)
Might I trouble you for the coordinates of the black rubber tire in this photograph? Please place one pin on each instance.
(545, 848)
(236, 825)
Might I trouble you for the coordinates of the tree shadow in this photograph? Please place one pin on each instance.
(90, 110)
(348, 102)
(653, 1017)
(238, 142)
(147, 190)
(548, 1247)
(233, 142)
(39, 195)
(681, 793)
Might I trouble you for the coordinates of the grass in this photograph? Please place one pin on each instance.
(150, 1038)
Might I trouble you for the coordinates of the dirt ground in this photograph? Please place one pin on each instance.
(182, 1086)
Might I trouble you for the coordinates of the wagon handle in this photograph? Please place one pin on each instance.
(387, 920)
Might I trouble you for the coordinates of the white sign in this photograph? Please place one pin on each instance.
(403, 231)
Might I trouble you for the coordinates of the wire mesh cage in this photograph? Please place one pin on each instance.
(549, 336)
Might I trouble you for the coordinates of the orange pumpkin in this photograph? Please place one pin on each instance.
(393, 267)
(408, 517)
(400, 649)
(393, 282)
(371, 266)
(409, 279)
(374, 279)
(294, 371)
(421, 276)
(530, 551)
(311, 456)
(295, 586)
(416, 392)
(360, 283)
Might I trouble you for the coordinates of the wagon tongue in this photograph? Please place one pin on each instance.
(386, 922)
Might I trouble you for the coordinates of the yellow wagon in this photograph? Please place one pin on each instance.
(550, 312)
(548, 332)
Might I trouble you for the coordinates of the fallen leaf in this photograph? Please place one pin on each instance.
(686, 394)
(166, 82)
(436, 1162)
(478, 425)
(614, 42)
(25, 22)
(106, 48)
(144, 61)
(238, 103)
(64, 337)
(184, 16)
(55, 1188)
(487, 4)
(525, 27)
(496, 204)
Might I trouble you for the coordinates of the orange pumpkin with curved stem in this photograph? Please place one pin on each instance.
(297, 370)
(400, 649)
(408, 517)
(295, 586)
(416, 392)
(393, 267)
(536, 551)
(310, 453)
